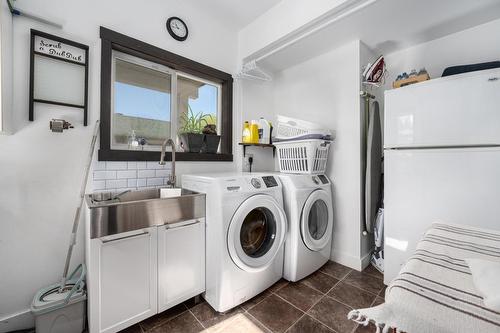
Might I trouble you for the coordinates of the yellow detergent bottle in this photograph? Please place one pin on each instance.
(246, 136)
(254, 132)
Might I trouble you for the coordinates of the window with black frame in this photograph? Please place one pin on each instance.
(149, 95)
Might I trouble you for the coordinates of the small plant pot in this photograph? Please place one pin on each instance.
(191, 142)
(211, 143)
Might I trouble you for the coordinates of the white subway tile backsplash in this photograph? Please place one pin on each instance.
(145, 173)
(141, 165)
(116, 183)
(99, 185)
(118, 176)
(126, 174)
(154, 181)
(108, 174)
(99, 166)
(162, 173)
(154, 165)
(116, 165)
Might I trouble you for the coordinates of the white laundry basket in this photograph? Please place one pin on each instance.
(290, 127)
(303, 156)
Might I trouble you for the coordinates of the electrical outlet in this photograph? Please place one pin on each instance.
(246, 162)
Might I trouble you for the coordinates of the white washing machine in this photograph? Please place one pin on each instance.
(246, 229)
(309, 209)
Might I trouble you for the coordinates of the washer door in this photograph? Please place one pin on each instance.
(317, 220)
(256, 233)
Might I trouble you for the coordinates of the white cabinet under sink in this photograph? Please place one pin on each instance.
(122, 279)
(181, 262)
(134, 275)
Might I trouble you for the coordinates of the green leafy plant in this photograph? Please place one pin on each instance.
(210, 119)
(191, 122)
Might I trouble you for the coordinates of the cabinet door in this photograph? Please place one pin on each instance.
(181, 262)
(123, 282)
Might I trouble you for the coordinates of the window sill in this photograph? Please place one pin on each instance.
(126, 155)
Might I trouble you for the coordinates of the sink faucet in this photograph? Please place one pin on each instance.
(170, 142)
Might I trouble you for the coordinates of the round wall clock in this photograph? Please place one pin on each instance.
(177, 28)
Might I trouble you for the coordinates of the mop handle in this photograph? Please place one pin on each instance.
(76, 220)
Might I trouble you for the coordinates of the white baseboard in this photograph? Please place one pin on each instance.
(348, 260)
(17, 321)
(365, 261)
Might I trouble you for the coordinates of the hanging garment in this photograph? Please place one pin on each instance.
(373, 172)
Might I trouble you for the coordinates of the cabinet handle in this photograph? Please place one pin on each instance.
(124, 237)
(179, 225)
(491, 79)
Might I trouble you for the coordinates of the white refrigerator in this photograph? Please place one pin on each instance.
(442, 159)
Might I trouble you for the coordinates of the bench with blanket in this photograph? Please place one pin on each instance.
(435, 291)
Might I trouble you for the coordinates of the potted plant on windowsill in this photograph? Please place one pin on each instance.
(190, 134)
(211, 140)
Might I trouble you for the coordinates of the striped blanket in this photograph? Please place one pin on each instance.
(434, 291)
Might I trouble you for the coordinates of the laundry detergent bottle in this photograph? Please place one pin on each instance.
(246, 135)
(264, 131)
(254, 132)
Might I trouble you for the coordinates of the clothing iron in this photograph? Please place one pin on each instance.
(374, 74)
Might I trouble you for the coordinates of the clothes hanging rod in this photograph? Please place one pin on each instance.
(252, 71)
(19, 12)
(251, 77)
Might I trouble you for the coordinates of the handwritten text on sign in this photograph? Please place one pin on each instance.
(59, 50)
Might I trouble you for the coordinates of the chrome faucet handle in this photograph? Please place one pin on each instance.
(171, 181)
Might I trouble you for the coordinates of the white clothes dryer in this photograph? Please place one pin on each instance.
(309, 208)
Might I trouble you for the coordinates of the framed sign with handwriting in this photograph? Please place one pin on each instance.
(59, 70)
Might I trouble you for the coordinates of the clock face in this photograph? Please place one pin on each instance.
(177, 28)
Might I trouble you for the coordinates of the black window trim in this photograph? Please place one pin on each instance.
(111, 40)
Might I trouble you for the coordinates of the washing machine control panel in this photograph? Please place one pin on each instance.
(256, 183)
(323, 179)
(270, 181)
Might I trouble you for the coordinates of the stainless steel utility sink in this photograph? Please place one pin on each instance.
(112, 214)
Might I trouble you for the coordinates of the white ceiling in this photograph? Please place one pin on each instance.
(237, 13)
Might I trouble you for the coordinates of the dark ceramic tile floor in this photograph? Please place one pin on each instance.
(316, 304)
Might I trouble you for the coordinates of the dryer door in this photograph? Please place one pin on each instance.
(256, 233)
(317, 220)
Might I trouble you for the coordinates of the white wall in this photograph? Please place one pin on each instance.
(325, 90)
(255, 100)
(41, 171)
